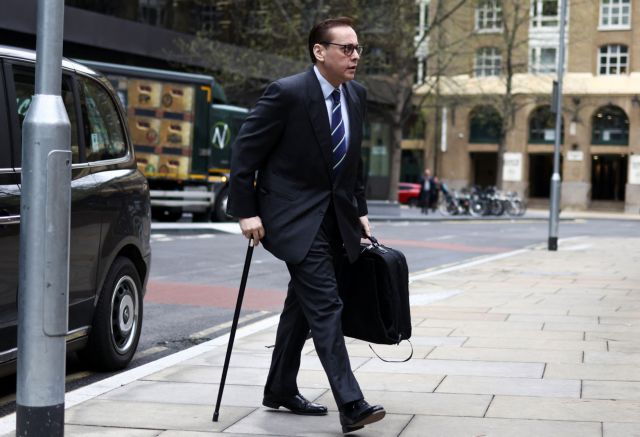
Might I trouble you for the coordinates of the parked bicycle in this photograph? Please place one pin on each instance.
(477, 201)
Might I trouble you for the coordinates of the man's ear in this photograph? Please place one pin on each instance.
(318, 51)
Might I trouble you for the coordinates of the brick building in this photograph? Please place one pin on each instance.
(600, 150)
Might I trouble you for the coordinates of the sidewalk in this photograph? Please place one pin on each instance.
(530, 343)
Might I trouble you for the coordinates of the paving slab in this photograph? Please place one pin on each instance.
(458, 315)
(615, 336)
(630, 321)
(611, 429)
(518, 333)
(624, 390)
(445, 426)
(514, 343)
(592, 327)
(507, 324)
(211, 375)
(153, 415)
(610, 357)
(280, 423)
(520, 407)
(497, 354)
(552, 318)
(623, 346)
(459, 367)
(563, 388)
(610, 372)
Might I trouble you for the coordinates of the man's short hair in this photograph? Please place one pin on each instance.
(320, 32)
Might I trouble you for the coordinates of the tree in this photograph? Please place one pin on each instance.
(264, 40)
(391, 28)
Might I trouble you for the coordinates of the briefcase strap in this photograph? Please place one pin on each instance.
(394, 361)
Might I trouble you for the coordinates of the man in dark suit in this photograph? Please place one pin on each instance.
(303, 139)
(427, 189)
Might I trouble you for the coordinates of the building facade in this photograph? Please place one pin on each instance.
(496, 95)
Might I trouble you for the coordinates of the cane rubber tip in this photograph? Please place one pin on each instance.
(215, 416)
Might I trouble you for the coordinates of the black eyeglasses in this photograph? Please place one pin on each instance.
(347, 49)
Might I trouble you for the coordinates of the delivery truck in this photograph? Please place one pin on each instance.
(170, 123)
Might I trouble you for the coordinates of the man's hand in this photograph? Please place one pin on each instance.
(366, 227)
(252, 227)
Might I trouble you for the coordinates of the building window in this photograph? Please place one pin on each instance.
(421, 71)
(615, 14)
(485, 125)
(542, 126)
(414, 128)
(488, 16)
(488, 61)
(613, 59)
(544, 13)
(422, 17)
(543, 60)
(610, 125)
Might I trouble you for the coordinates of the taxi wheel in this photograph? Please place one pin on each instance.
(117, 321)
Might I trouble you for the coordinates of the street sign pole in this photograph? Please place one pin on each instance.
(44, 239)
(554, 209)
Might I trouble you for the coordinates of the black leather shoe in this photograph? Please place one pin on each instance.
(356, 415)
(296, 404)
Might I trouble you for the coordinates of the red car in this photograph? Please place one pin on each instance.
(408, 193)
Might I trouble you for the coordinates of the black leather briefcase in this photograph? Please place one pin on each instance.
(375, 293)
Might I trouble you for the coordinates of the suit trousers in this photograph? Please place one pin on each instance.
(313, 303)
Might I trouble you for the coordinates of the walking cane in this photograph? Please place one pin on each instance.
(234, 326)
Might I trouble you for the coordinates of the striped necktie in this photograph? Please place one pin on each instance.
(338, 137)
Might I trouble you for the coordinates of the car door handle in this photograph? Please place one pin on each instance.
(9, 219)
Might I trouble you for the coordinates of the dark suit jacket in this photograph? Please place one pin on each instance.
(286, 138)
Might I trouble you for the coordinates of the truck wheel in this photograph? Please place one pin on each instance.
(220, 210)
(117, 321)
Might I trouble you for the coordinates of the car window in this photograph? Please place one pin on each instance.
(104, 137)
(24, 89)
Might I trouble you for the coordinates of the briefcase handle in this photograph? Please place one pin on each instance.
(373, 240)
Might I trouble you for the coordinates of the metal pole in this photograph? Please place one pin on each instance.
(44, 239)
(554, 209)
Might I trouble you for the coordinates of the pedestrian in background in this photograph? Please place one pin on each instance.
(426, 185)
(434, 193)
(303, 139)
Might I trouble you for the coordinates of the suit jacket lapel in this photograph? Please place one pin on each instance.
(317, 109)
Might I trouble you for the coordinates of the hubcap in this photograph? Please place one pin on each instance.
(124, 314)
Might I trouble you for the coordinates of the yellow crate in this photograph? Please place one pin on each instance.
(174, 166)
(144, 94)
(175, 133)
(147, 163)
(177, 98)
(144, 130)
